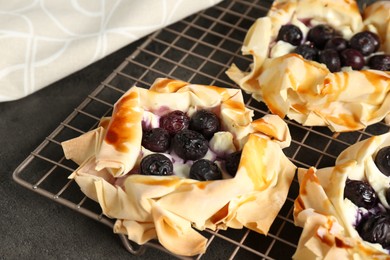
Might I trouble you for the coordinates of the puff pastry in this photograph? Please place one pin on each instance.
(170, 208)
(306, 91)
(328, 219)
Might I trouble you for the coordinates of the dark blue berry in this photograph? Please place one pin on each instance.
(376, 229)
(205, 170)
(387, 195)
(156, 140)
(380, 62)
(336, 43)
(307, 51)
(382, 160)
(376, 41)
(320, 34)
(365, 42)
(331, 59)
(291, 34)
(360, 193)
(174, 122)
(205, 122)
(352, 58)
(189, 145)
(156, 164)
(232, 161)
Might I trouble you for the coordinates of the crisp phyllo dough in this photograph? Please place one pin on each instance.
(321, 63)
(345, 210)
(178, 158)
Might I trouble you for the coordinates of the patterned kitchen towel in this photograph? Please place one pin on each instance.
(42, 41)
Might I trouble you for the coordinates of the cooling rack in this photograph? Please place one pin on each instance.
(198, 49)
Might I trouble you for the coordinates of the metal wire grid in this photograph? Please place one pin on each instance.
(197, 49)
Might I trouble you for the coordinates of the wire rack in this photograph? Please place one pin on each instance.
(198, 49)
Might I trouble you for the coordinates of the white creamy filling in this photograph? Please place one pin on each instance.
(281, 48)
(150, 120)
(222, 143)
(351, 212)
(182, 169)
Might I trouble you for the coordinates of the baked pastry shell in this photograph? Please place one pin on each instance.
(306, 91)
(326, 217)
(170, 208)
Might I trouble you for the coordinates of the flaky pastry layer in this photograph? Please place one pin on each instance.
(171, 208)
(306, 91)
(327, 217)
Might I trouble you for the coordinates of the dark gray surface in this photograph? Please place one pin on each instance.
(32, 226)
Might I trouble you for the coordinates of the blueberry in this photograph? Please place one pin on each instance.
(232, 161)
(174, 122)
(376, 41)
(376, 229)
(205, 170)
(353, 58)
(387, 195)
(380, 62)
(331, 59)
(291, 34)
(307, 51)
(365, 42)
(382, 160)
(205, 122)
(189, 145)
(360, 193)
(320, 34)
(336, 43)
(156, 164)
(156, 140)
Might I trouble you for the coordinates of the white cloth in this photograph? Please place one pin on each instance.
(42, 41)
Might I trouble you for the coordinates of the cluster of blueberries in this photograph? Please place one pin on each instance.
(187, 138)
(324, 44)
(374, 225)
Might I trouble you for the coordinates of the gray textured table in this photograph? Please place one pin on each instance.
(31, 226)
